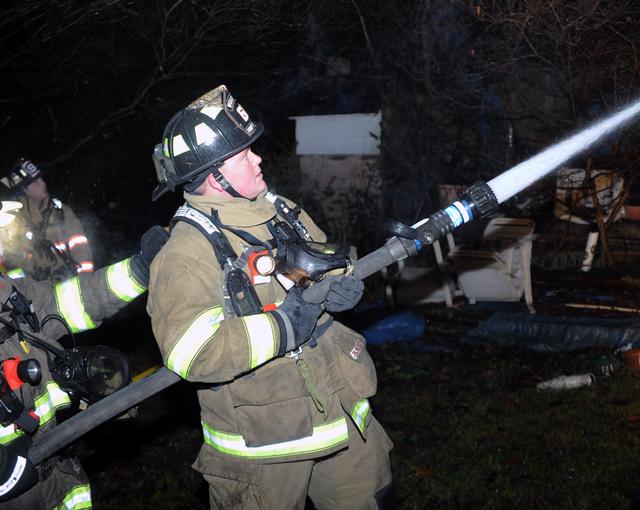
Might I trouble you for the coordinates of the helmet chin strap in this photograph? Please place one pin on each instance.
(225, 184)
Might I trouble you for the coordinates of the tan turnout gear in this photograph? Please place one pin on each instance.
(261, 412)
(83, 302)
(52, 244)
(48, 242)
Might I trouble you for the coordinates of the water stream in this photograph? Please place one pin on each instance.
(524, 174)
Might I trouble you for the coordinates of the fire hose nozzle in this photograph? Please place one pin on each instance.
(477, 201)
(481, 198)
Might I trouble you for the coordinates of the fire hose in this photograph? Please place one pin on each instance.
(479, 200)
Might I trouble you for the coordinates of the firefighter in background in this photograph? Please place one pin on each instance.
(52, 243)
(283, 388)
(38, 377)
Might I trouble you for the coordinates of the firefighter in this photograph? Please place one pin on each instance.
(283, 388)
(52, 244)
(38, 377)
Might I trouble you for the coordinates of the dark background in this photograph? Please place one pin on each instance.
(466, 89)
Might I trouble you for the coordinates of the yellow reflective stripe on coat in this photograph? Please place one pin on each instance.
(262, 338)
(191, 342)
(323, 437)
(122, 283)
(17, 273)
(9, 433)
(77, 498)
(359, 413)
(50, 401)
(70, 305)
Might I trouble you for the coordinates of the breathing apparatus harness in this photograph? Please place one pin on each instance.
(240, 297)
(291, 255)
(15, 372)
(291, 216)
(86, 373)
(38, 234)
(54, 206)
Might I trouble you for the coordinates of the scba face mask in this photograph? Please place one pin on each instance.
(91, 372)
(306, 261)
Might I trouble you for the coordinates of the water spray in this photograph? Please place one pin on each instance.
(526, 173)
(482, 199)
(479, 200)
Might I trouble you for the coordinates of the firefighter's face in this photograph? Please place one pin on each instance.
(244, 173)
(37, 190)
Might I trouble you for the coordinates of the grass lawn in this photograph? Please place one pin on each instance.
(470, 429)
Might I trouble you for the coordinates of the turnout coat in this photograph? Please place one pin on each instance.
(49, 242)
(254, 406)
(82, 302)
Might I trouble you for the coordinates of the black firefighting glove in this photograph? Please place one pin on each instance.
(17, 473)
(150, 244)
(297, 319)
(344, 294)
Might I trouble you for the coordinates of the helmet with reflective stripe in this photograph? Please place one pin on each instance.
(198, 139)
(22, 173)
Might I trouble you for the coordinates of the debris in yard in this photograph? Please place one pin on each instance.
(610, 308)
(604, 365)
(567, 382)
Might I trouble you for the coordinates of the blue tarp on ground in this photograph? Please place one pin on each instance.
(510, 325)
(554, 333)
(398, 327)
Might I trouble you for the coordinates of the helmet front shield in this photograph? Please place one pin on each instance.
(164, 173)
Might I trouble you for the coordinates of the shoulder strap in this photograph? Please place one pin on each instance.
(240, 297)
(46, 216)
(219, 242)
(291, 216)
(242, 234)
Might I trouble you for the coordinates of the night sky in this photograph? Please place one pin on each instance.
(466, 89)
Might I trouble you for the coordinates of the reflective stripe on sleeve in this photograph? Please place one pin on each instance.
(77, 240)
(14, 274)
(122, 283)
(191, 342)
(262, 338)
(46, 405)
(323, 437)
(9, 433)
(85, 267)
(14, 475)
(360, 412)
(70, 305)
(77, 498)
(50, 401)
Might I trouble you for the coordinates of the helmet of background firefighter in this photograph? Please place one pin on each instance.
(199, 138)
(22, 173)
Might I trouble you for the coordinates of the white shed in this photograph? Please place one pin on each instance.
(338, 135)
(340, 164)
